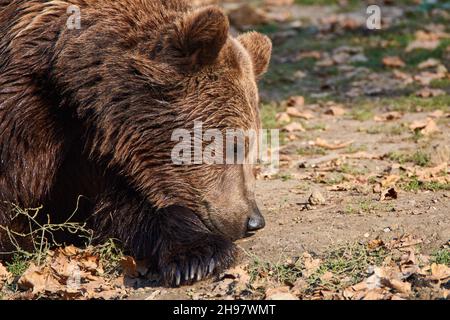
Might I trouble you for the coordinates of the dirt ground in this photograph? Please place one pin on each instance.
(363, 190)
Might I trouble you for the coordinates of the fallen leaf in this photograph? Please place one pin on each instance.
(293, 127)
(375, 294)
(423, 41)
(407, 79)
(388, 194)
(296, 101)
(393, 62)
(388, 116)
(426, 126)
(429, 63)
(436, 114)
(404, 242)
(390, 180)
(299, 287)
(281, 293)
(282, 118)
(294, 112)
(278, 2)
(39, 280)
(311, 265)
(246, 16)
(375, 243)
(309, 54)
(331, 146)
(5, 276)
(70, 250)
(400, 286)
(129, 266)
(336, 111)
(439, 272)
(429, 93)
(362, 155)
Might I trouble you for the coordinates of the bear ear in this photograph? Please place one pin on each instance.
(259, 47)
(196, 39)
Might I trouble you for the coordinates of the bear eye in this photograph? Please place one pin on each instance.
(213, 77)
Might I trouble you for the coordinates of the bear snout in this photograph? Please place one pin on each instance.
(256, 221)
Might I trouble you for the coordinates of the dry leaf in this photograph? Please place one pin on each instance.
(129, 266)
(425, 78)
(331, 146)
(293, 127)
(389, 194)
(70, 250)
(400, 286)
(39, 280)
(5, 276)
(278, 2)
(296, 101)
(407, 79)
(393, 62)
(375, 243)
(439, 272)
(294, 112)
(429, 63)
(427, 173)
(429, 93)
(311, 265)
(423, 44)
(361, 155)
(426, 127)
(309, 54)
(436, 114)
(404, 242)
(390, 180)
(281, 293)
(389, 116)
(282, 118)
(246, 15)
(336, 111)
(375, 294)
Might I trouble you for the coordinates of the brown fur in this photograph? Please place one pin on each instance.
(91, 112)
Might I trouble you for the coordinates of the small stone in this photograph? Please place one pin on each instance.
(316, 198)
(386, 230)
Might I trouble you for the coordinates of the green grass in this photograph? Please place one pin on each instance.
(364, 206)
(414, 104)
(285, 177)
(268, 116)
(348, 264)
(414, 184)
(441, 256)
(363, 112)
(18, 265)
(354, 149)
(440, 84)
(311, 151)
(334, 179)
(419, 157)
(110, 254)
(349, 169)
(279, 271)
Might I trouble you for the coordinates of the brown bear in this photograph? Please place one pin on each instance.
(90, 110)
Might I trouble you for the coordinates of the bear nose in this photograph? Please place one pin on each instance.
(256, 221)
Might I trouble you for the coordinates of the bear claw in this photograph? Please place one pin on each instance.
(180, 268)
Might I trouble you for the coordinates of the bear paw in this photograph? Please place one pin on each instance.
(182, 267)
